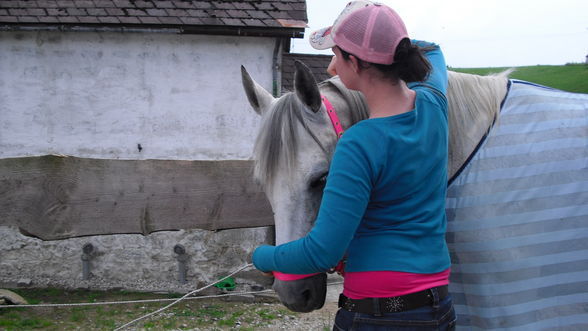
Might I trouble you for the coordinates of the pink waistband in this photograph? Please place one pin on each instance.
(290, 277)
(384, 284)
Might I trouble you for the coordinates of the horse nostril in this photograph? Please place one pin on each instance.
(306, 295)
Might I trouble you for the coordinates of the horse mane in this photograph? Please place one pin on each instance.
(358, 107)
(474, 104)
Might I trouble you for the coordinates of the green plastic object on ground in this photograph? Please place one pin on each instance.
(226, 284)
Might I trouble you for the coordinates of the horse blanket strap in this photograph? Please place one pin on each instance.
(377, 306)
(333, 116)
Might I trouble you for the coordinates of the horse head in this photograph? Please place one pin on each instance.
(292, 155)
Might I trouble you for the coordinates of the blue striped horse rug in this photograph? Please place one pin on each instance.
(518, 217)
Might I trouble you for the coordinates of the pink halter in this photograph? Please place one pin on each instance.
(333, 116)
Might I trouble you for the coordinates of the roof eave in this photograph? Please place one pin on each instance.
(289, 32)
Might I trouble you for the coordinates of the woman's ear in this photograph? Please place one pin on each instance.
(354, 64)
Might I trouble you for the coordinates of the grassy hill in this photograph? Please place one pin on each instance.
(569, 77)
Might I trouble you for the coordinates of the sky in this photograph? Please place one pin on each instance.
(475, 33)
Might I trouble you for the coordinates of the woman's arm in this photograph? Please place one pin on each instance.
(438, 76)
(345, 199)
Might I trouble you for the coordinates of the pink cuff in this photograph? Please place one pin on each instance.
(291, 277)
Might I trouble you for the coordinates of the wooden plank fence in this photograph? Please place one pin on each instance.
(55, 197)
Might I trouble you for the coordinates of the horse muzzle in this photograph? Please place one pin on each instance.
(303, 295)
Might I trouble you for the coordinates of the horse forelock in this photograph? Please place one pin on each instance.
(277, 142)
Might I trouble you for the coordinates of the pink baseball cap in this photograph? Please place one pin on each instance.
(369, 30)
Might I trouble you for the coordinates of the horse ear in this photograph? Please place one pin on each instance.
(258, 97)
(306, 87)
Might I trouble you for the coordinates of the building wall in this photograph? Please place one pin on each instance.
(100, 95)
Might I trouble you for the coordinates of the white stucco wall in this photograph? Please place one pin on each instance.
(99, 95)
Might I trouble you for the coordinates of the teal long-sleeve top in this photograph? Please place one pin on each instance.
(384, 201)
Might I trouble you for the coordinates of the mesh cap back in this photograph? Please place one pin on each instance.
(371, 33)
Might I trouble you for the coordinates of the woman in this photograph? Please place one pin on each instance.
(383, 206)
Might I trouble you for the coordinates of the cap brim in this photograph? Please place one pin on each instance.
(322, 39)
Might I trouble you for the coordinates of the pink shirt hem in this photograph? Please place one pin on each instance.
(383, 284)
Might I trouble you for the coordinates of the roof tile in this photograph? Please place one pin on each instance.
(104, 3)
(96, 12)
(123, 3)
(143, 4)
(149, 20)
(232, 21)
(50, 19)
(177, 12)
(191, 20)
(243, 6)
(82, 4)
(75, 12)
(8, 19)
(202, 4)
(108, 19)
(247, 13)
(17, 12)
(50, 3)
(137, 12)
(28, 19)
(197, 13)
(237, 13)
(67, 19)
(156, 12)
(10, 4)
(223, 5)
(56, 12)
(129, 20)
(25, 4)
(257, 14)
(164, 4)
(170, 20)
(89, 19)
(115, 11)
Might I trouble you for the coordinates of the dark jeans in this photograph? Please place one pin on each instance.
(438, 316)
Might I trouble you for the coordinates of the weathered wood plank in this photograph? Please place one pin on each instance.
(54, 197)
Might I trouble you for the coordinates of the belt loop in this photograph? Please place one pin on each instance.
(376, 306)
(435, 297)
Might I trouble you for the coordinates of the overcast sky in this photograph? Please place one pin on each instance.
(476, 33)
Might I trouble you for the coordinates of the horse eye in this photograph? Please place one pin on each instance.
(319, 182)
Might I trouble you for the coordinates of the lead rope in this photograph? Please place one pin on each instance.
(182, 298)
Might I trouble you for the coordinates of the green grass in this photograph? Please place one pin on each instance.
(14, 321)
(200, 314)
(569, 77)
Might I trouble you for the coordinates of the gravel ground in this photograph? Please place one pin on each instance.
(317, 320)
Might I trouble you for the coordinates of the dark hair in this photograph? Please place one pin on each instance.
(410, 63)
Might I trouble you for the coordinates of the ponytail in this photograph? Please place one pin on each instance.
(410, 62)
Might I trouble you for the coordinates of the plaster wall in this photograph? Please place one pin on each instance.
(101, 95)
